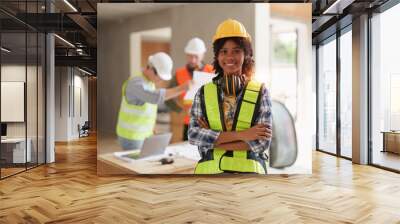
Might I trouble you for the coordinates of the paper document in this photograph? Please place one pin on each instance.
(199, 79)
(133, 155)
(185, 150)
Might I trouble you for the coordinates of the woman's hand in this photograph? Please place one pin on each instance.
(203, 123)
(257, 132)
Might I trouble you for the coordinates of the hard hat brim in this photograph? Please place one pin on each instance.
(226, 36)
(165, 77)
(192, 52)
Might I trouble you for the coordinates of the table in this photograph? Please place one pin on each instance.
(185, 161)
(391, 141)
(13, 150)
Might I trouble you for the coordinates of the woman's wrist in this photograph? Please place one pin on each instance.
(238, 135)
(228, 136)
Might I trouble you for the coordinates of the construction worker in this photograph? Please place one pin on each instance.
(231, 116)
(138, 111)
(194, 50)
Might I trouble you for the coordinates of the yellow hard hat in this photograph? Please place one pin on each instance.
(231, 28)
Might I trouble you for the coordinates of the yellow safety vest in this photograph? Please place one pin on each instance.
(136, 122)
(219, 160)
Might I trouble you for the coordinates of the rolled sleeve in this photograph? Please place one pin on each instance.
(265, 117)
(203, 138)
(161, 96)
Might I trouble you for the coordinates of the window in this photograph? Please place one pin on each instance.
(346, 94)
(385, 89)
(22, 66)
(327, 97)
(284, 68)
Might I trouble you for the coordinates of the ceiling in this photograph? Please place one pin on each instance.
(72, 20)
(333, 15)
(80, 27)
(110, 12)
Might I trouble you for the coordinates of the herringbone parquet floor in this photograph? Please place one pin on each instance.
(69, 191)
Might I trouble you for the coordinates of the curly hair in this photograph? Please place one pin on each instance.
(243, 43)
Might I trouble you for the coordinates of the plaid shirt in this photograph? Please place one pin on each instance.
(205, 138)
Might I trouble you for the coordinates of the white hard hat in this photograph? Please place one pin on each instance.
(195, 46)
(162, 62)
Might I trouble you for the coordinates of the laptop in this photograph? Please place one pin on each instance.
(153, 147)
(3, 131)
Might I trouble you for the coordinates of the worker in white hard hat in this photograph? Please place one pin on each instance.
(194, 50)
(140, 97)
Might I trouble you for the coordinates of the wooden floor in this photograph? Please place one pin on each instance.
(70, 192)
(10, 171)
(5, 172)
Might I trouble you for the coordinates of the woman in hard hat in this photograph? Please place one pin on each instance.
(138, 111)
(231, 117)
(194, 50)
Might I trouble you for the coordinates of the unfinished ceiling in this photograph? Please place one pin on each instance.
(76, 20)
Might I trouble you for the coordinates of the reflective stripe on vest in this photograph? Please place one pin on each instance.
(136, 122)
(182, 76)
(210, 165)
(236, 161)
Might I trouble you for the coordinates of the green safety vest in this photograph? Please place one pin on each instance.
(219, 160)
(136, 122)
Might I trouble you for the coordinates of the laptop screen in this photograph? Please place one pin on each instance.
(3, 129)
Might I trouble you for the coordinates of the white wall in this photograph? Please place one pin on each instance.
(33, 126)
(61, 103)
(12, 73)
(314, 95)
(261, 42)
(68, 81)
(79, 117)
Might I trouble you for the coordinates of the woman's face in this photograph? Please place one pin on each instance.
(230, 58)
